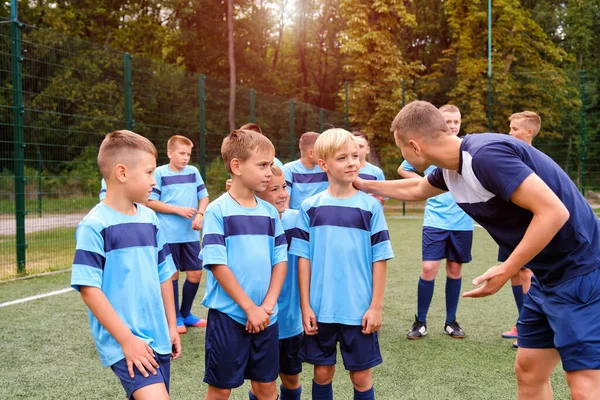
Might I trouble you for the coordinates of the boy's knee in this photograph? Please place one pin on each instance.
(453, 269)
(215, 393)
(194, 276)
(362, 380)
(290, 381)
(429, 270)
(265, 390)
(324, 374)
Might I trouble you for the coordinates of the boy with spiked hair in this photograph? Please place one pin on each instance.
(343, 245)
(123, 269)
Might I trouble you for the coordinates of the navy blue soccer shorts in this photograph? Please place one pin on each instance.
(565, 317)
(163, 374)
(185, 256)
(289, 360)
(359, 351)
(452, 245)
(232, 354)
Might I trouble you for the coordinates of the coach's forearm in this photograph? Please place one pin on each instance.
(104, 312)
(304, 282)
(277, 278)
(379, 277)
(229, 283)
(413, 189)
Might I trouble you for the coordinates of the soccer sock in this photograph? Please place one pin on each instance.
(290, 394)
(187, 297)
(252, 396)
(322, 392)
(424, 296)
(518, 293)
(366, 395)
(176, 297)
(452, 297)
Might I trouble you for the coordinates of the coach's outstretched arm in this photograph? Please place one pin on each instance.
(413, 189)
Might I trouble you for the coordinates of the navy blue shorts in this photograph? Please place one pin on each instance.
(185, 256)
(232, 354)
(565, 317)
(289, 362)
(452, 245)
(359, 351)
(163, 374)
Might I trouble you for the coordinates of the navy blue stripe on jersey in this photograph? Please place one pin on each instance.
(162, 254)
(122, 236)
(309, 178)
(289, 234)
(279, 240)
(379, 237)
(288, 183)
(367, 177)
(89, 258)
(349, 217)
(157, 191)
(300, 234)
(201, 188)
(102, 190)
(213, 238)
(175, 179)
(234, 225)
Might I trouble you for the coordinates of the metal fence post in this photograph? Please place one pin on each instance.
(347, 120)
(292, 129)
(128, 91)
(39, 176)
(321, 120)
(253, 106)
(202, 138)
(19, 137)
(583, 144)
(403, 102)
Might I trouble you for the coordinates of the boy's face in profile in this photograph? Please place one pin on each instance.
(179, 156)
(453, 121)
(276, 193)
(138, 176)
(255, 172)
(518, 129)
(343, 165)
(363, 148)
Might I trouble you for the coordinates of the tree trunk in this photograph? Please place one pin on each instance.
(232, 73)
(279, 36)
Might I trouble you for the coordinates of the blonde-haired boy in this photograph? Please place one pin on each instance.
(525, 126)
(122, 268)
(343, 245)
(244, 249)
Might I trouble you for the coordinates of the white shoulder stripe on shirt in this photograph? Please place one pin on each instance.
(466, 188)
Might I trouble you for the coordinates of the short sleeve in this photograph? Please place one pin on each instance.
(300, 239)
(407, 167)
(200, 186)
(102, 194)
(379, 174)
(436, 179)
(89, 260)
(156, 189)
(380, 237)
(213, 251)
(166, 266)
(280, 246)
(288, 175)
(500, 169)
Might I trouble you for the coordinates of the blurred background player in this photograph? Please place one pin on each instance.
(367, 170)
(447, 233)
(180, 199)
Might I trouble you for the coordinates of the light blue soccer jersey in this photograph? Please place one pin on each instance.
(102, 194)
(302, 182)
(183, 189)
(441, 211)
(371, 172)
(342, 238)
(127, 257)
(250, 241)
(290, 316)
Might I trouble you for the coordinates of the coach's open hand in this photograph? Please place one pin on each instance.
(493, 280)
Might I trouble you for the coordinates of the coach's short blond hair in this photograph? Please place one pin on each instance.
(178, 140)
(119, 147)
(449, 108)
(241, 143)
(531, 119)
(418, 119)
(330, 142)
(307, 141)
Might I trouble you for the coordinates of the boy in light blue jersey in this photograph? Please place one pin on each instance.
(122, 268)
(447, 233)
(244, 250)
(180, 199)
(289, 315)
(304, 177)
(102, 193)
(367, 170)
(342, 243)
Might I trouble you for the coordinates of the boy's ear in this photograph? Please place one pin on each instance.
(234, 164)
(416, 147)
(121, 173)
(322, 164)
(311, 153)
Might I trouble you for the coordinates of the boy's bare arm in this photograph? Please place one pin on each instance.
(309, 319)
(136, 351)
(413, 189)
(159, 206)
(277, 277)
(166, 290)
(258, 318)
(372, 318)
(202, 204)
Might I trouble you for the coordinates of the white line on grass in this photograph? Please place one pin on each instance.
(38, 296)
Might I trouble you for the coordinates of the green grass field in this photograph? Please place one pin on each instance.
(48, 352)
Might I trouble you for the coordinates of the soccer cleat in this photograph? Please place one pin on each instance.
(454, 330)
(515, 344)
(418, 330)
(192, 320)
(181, 329)
(511, 334)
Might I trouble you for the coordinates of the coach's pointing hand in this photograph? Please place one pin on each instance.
(493, 280)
